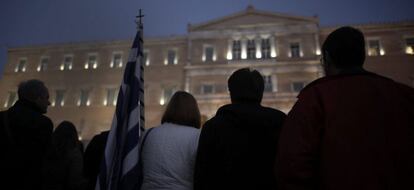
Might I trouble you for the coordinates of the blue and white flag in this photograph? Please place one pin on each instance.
(119, 168)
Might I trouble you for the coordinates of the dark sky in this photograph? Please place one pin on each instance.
(31, 22)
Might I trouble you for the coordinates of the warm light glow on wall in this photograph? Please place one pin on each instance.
(214, 56)
(409, 50)
(95, 65)
(301, 53)
(243, 49)
(78, 103)
(53, 104)
(273, 53)
(112, 64)
(24, 69)
(86, 66)
(258, 54)
(88, 103)
(62, 103)
(162, 101)
(176, 60)
(38, 68)
(203, 58)
(165, 61)
(318, 51)
(229, 55)
(382, 51)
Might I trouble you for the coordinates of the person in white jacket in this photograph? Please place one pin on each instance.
(169, 150)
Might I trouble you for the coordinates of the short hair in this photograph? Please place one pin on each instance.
(246, 86)
(183, 110)
(31, 89)
(346, 47)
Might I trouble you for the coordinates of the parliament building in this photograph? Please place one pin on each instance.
(84, 78)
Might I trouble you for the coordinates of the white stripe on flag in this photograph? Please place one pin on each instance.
(133, 118)
(130, 160)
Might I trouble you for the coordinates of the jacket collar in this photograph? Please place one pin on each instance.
(28, 104)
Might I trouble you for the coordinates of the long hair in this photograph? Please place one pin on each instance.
(65, 138)
(183, 110)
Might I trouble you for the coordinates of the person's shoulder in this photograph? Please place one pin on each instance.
(44, 120)
(273, 111)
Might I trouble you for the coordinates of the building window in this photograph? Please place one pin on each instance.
(21, 66)
(60, 98)
(116, 60)
(166, 95)
(84, 98)
(67, 63)
(409, 46)
(44, 61)
(374, 48)
(268, 84)
(111, 97)
(171, 58)
(146, 58)
(265, 46)
(251, 49)
(91, 62)
(297, 86)
(236, 50)
(12, 98)
(207, 89)
(295, 50)
(208, 54)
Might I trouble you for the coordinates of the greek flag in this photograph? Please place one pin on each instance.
(119, 168)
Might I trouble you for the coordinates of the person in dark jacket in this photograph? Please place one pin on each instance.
(25, 137)
(69, 158)
(94, 154)
(237, 147)
(349, 130)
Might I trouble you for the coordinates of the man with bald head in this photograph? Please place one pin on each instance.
(25, 137)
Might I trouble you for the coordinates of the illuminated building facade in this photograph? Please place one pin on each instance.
(84, 78)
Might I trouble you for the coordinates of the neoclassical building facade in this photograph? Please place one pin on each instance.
(84, 78)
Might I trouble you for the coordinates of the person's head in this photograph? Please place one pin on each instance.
(343, 49)
(246, 86)
(36, 92)
(183, 110)
(65, 137)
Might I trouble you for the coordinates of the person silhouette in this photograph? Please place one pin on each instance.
(352, 129)
(25, 137)
(68, 168)
(237, 146)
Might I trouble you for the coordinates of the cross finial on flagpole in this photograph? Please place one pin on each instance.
(139, 17)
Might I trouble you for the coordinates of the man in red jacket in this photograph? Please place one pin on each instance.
(349, 130)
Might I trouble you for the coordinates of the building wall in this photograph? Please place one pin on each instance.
(190, 72)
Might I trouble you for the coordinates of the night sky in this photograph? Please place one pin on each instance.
(34, 22)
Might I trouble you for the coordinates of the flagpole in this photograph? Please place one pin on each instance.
(142, 105)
